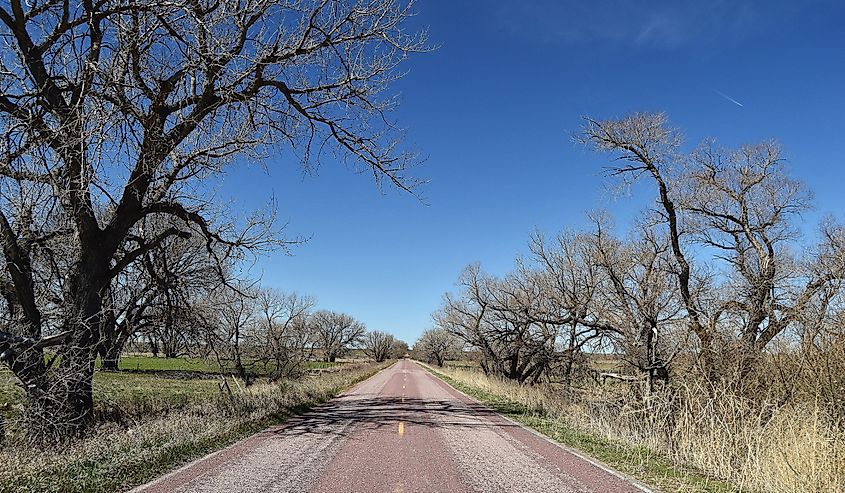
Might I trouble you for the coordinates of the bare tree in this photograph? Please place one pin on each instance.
(399, 349)
(115, 111)
(572, 295)
(335, 333)
(646, 146)
(284, 336)
(508, 320)
(378, 345)
(740, 206)
(233, 330)
(743, 205)
(639, 298)
(438, 345)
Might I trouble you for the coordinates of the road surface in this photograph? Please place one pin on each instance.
(401, 431)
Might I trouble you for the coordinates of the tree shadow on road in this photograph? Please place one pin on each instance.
(346, 415)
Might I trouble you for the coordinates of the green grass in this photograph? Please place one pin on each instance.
(642, 463)
(153, 364)
(139, 390)
(149, 363)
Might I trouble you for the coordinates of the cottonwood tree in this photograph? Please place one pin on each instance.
(378, 345)
(572, 283)
(741, 207)
(113, 111)
(335, 333)
(506, 319)
(438, 345)
(154, 296)
(233, 330)
(639, 298)
(283, 333)
(399, 349)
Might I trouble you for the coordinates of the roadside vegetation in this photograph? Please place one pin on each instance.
(710, 449)
(710, 333)
(147, 424)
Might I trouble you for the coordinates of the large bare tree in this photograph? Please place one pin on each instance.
(739, 209)
(112, 111)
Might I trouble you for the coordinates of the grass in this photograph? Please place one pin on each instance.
(640, 462)
(692, 439)
(150, 424)
(153, 364)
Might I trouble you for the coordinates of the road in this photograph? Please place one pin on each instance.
(401, 431)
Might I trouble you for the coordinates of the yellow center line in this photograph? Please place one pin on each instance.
(401, 428)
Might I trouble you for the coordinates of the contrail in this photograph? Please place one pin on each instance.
(732, 100)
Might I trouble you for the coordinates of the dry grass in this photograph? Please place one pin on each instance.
(116, 457)
(747, 444)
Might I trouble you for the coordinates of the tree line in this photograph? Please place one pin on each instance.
(713, 273)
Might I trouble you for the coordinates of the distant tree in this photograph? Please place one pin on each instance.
(335, 333)
(233, 328)
(399, 349)
(438, 345)
(284, 336)
(378, 345)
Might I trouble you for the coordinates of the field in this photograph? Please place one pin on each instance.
(149, 363)
(145, 386)
(152, 418)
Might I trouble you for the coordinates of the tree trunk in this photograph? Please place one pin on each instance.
(64, 406)
(111, 346)
(110, 355)
(153, 346)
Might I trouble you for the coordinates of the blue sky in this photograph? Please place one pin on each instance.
(493, 110)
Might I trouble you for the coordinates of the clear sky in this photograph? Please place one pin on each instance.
(493, 110)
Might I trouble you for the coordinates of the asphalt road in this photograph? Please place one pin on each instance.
(401, 431)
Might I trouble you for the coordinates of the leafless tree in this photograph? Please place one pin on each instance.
(571, 295)
(335, 333)
(507, 319)
(285, 338)
(399, 349)
(743, 205)
(115, 111)
(378, 345)
(740, 207)
(438, 345)
(639, 298)
(233, 330)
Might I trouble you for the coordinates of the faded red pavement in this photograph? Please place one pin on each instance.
(403, 430)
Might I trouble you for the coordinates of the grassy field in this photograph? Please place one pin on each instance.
(139, 389)
(150, 422)
(524, 406)
(149, 363)
(714, 444)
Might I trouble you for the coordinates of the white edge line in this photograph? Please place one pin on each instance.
(634, 482)
(188, 465)
(141, 487)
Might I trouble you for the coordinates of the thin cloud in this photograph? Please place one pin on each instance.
(665, 24)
